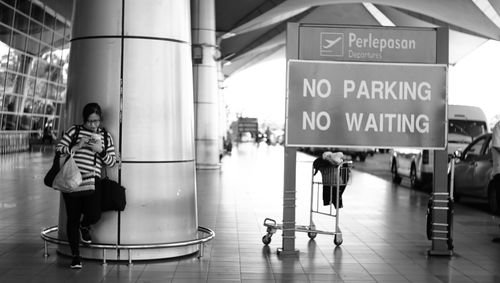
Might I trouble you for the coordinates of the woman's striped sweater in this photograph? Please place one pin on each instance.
(89, 162)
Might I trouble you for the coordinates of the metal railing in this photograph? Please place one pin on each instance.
(14, 142)
(208, 235)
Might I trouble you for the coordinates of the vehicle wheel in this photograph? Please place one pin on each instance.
(413, 178)
(312, 235)
(266, 239)
(362, 157)
(395, 176)
(492, 199)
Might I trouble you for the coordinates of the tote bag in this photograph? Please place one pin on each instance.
(69, 178)
(59, 160)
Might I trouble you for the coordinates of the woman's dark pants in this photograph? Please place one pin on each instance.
(78, 204)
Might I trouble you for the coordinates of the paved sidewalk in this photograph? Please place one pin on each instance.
(383, 226)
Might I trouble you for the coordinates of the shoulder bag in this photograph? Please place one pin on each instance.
(69, 178)
(112, 193)
(58, 161)
(112, 196)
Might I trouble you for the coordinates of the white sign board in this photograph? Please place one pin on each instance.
(366, 104)
(367, 44)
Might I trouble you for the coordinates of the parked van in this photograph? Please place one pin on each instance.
(464, 124)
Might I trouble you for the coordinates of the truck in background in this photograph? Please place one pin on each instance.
(245, 129)
(464, 124)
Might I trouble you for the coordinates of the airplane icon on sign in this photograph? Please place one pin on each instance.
(331, 44)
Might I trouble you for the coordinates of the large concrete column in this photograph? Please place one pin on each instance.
(134, 58)
(223, 124)
(206, 102)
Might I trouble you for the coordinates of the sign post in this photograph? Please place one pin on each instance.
(442, 206)
(290, 158)
(362, 86)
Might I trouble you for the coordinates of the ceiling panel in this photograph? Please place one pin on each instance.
(249, 29)
(233, 13)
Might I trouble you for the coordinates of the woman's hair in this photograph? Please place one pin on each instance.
(90, 109)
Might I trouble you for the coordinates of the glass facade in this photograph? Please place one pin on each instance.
(34, 54)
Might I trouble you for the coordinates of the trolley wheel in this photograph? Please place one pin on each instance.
(312, 235)
(338, 240)
(266, 239)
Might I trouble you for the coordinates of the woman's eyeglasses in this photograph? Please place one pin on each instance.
(93, 122)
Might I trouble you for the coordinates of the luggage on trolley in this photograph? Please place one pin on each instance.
(326, 198)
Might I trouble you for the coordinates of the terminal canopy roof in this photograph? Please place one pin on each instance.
(250, 31)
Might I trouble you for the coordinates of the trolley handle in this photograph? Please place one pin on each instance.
(268, 222)
(348, 162)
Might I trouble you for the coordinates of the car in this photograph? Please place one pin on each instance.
(472, 174)
(464, 124)
(412, 163)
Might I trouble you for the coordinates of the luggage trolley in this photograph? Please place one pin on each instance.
(333, 181)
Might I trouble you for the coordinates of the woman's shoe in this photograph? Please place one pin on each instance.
(76, 263)
(85, 235)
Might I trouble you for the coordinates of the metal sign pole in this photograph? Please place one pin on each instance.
(289, 203)
(442, 215)
(290, 159)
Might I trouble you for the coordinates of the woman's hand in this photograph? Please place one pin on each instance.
(83, 141)
(96, 145)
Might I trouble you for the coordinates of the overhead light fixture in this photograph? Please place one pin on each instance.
(488, 10)
(228, 56)
(227, 35)
(382, 19)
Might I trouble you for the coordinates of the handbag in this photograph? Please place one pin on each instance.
(58, 162)
(69, 178)
(112, 195)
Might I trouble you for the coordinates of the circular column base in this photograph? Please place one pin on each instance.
(131, 252)
(135, 254)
